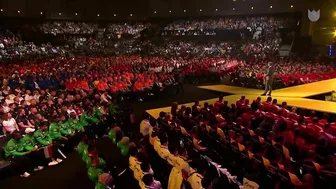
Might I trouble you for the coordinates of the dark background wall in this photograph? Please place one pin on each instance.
(141, 9)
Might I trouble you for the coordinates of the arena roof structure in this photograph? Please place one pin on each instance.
(135, 9)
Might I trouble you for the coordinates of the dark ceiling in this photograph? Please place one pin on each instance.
(142, 9)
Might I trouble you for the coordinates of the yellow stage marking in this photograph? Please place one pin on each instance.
(294, 96)
(305, 90)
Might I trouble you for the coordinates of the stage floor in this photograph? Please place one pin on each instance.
(305, 90)
(294, 96)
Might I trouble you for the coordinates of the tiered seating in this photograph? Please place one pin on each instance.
(263, 144)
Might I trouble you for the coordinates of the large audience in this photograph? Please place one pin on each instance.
(55, 98)
(263, 144)
(231, 23)
(56, 28)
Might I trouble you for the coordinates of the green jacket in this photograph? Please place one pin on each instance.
(123, 148)
(112, 135)
(65, 128)
(43, 138)
(14, 148)
(83, 150)
(73, 123)
(100, 185)
(28, 142)
(93, 173)
(54, 131)
(83, 120)
(97, 112)
(93, 119)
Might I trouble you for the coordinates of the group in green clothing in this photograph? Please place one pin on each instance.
(61, 129)
(94, 164)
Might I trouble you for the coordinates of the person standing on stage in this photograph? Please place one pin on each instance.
(268, 80)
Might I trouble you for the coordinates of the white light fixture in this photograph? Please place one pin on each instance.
(292, 6)
(233, 9)
(154, 12)
(98, 15)
(1, 10)
(200, 10)
(271, 7)
(252, 8)
(169, 11)
(41, 12)
(184, 10)
(216, 10)
(131, 14)
(60, 14)
(114, 15)
(19, 12)
(76, 14)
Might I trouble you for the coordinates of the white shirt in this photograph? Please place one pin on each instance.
(9, 101)
(36, 85)
(9, 126)
(144, 127)
(28, 98)
(71, 111)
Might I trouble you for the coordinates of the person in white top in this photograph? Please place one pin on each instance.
(28, 96)
(8, 100)
(145, 125)
(9, 124)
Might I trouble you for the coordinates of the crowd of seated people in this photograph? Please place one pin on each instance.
(265, 145)
(12, 47)
(288, 73)
(116, 30)
(66, 27)
(244, 48)
(41, 129)
(47, 119)
(119, 75)
(254, 24)
(90, 46)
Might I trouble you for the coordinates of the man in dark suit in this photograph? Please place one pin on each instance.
(269, 79)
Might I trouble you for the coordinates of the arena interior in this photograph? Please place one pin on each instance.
(167, 94)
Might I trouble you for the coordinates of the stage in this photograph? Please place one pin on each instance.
(294, 96)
